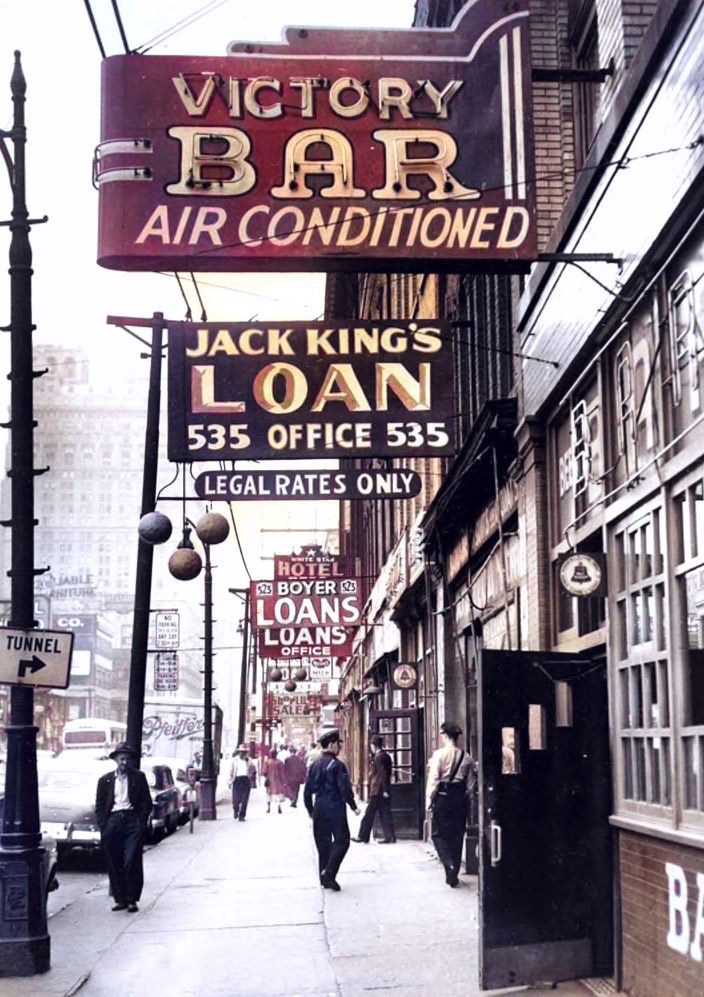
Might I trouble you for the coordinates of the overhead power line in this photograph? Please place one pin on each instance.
(185, 22)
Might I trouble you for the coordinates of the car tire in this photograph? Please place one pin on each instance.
(154, 834)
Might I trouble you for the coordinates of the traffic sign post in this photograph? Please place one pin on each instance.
(35, 657)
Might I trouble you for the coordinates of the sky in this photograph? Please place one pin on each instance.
(71, 294)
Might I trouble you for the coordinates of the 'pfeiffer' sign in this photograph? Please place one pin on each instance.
(334, 150)
(300, 389)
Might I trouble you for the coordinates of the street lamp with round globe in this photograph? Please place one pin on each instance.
(155, 528)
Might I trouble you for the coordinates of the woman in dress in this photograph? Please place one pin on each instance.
(274, 780)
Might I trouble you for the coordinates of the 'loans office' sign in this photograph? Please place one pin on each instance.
(334, 150)
(300, 389)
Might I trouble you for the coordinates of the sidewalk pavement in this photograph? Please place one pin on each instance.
(236, 909)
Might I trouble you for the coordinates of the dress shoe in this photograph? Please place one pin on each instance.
(120, 907)
(329, 883)
(132, 908)
(240, 818)
(386, 841)
(361, 841)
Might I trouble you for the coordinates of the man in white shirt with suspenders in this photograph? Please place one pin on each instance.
(451, 776)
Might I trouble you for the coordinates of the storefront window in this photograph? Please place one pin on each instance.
(639, 647)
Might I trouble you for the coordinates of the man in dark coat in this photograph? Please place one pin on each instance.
(295, 769)
(123, 804)
(379, 795)
(328, 783)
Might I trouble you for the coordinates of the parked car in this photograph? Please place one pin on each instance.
(186, 781)
(50, 860)
(165, 816)
(67, 787)
(67, 801)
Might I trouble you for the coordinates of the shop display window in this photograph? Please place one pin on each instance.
(656, 569)
(640, 652)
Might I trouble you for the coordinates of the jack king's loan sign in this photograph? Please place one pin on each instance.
(336, 149)
(296, 390)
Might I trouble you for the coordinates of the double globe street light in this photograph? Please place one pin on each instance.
(185, 564)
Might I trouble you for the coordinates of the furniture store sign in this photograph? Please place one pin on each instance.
(296, 390)
(329, 151)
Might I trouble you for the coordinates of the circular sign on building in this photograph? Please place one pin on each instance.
(581, 574)
(405, 676)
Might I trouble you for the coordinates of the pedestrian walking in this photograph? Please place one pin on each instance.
(274, 780)
(295, 769)
(123, 804)
(450, 779)
(241, 772)
(379, 795)
(326, 793)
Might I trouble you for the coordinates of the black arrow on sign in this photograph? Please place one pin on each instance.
(33, 664)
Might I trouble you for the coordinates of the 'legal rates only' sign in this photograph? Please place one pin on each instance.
(335, 149)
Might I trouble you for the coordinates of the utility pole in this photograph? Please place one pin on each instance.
(242, 713)
(207, 775)
(25, 946)
(145, 551)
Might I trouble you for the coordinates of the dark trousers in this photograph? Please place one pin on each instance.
(240, 795)
(332, 837)
(121, 839)
(293, 791)
(448, 828)
(380, 806)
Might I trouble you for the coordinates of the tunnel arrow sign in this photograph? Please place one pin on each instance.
(35, 657)
(33, 664)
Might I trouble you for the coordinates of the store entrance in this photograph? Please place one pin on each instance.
(403, 735)
(545, 881)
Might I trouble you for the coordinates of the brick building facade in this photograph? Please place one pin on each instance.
(580, 430)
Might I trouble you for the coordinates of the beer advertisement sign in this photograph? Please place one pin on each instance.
(335, 150)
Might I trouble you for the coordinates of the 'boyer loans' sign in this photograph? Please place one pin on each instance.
(333, 150)
(297, 389)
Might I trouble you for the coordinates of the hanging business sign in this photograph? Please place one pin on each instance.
(305, 603)
(405, 675)
(317, 389)
(305, 642)
(313, 565)
(338, 149)
(583, 574)
(349, 485)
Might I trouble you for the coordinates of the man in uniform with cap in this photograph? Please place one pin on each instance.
(326, 793)
(123, 804)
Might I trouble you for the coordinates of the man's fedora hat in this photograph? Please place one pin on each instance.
(123, 748)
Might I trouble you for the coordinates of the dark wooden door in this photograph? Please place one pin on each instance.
(402, 734)
(545, 796)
